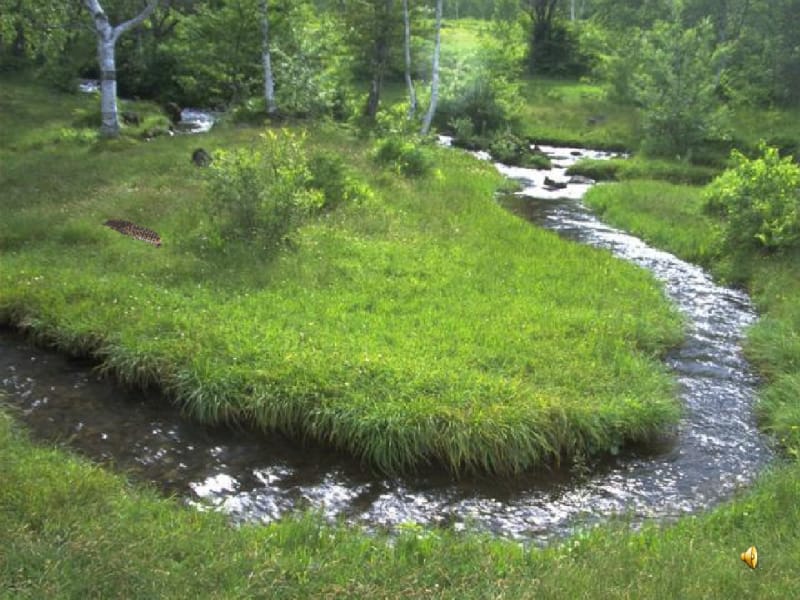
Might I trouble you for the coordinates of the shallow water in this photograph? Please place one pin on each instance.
(252, 477)
(193, 120)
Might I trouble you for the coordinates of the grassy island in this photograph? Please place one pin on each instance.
(424, 324)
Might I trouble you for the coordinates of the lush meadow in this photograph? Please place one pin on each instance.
(419, 324)
(414, 322)
(199, 318)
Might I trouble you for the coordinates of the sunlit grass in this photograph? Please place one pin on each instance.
(571, 113)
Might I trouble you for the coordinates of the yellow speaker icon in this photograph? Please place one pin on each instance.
(750, 557)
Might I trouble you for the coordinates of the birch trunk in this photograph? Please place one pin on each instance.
(412, 94)
(266, 60)
(426, 124)
(107, 36)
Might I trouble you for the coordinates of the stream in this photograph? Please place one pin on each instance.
(257, 477)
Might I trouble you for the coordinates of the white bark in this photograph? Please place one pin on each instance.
(426, 124)
(412, 94)
(266, 60)
(107, 36)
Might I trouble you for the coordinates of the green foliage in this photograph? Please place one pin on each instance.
(263, 193)
(675, 87)
(215, 49)
(510, 149)
(555, 50)
(406, 156)
(337, 182)
(760, 199)
(475, 92)
(311, 79)
(618, 56)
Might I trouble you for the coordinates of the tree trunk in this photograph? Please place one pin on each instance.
(412, 95)
(266, 60)
(107, 37)
(426, 124)
(109, 122)
(542, 13)
(379, 60)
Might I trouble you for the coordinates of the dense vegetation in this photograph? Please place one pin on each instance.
(335, 275)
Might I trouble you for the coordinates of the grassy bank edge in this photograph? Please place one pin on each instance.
(672, 217)
(74, 530)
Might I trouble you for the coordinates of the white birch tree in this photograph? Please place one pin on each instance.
(412, 95)
(266, 60)
(107, 36)
(426, 123)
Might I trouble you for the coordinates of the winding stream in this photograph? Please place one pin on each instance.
(260, 478)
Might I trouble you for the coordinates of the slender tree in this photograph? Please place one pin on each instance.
(380, 57)
(426, 123)
(107, 36)
(543, 17)
(266, 59)
(412, 95)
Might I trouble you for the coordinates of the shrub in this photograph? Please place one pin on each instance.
(263, 193)
(512, 150)
(760, 198)
(489, 100)
(406, 156)
(675, 87)
(338, 184)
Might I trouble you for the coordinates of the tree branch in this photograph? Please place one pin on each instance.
(131, 23)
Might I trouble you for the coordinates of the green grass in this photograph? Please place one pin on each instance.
(671, 217)
(426, 325)
(576, 114)
(72, 530)
(639, 167)
(666, 215)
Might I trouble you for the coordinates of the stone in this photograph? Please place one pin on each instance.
(201, 158)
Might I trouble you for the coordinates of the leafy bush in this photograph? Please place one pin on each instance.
(404, 155)
(489, 100)
(265, 192)
(512, 150)
(675, 87)
(336, 181)
(761, 199)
